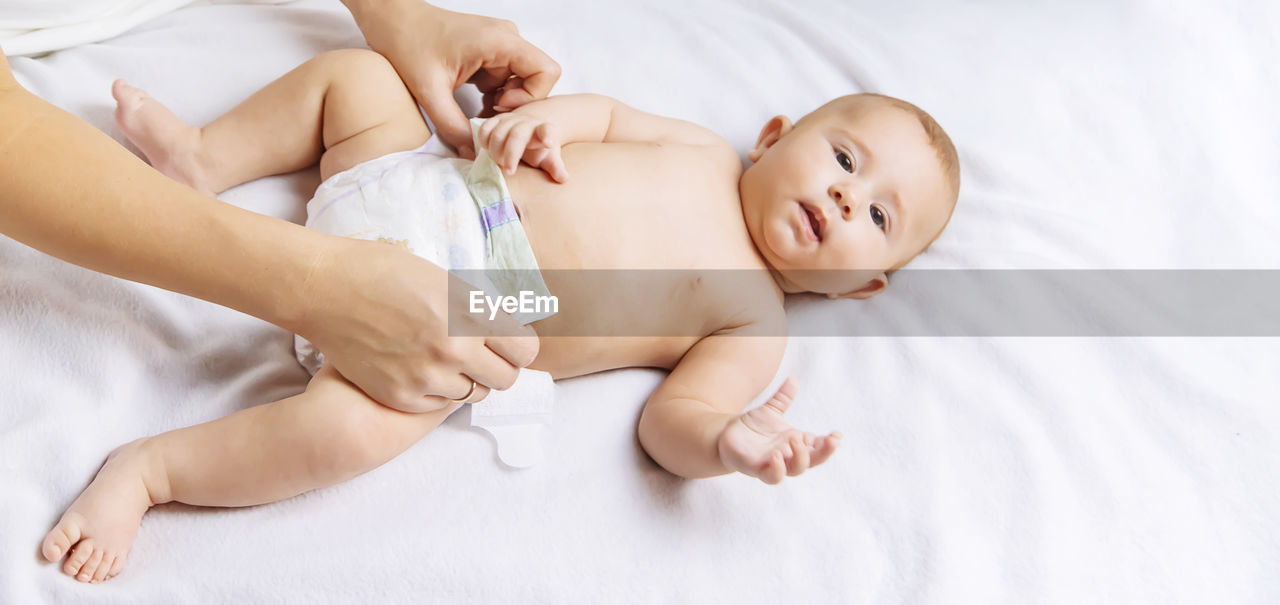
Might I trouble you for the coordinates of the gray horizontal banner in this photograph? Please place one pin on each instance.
(916, 303)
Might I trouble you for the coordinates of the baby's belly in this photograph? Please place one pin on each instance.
(625, 245)
(613, 319)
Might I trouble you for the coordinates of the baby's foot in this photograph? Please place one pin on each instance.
(97, 530)
(171, 145)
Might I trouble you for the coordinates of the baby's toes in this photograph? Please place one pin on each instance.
(127, 97)
(59, 540)
(79, 556)
(117, 565)
(108, 561)
(91, 566)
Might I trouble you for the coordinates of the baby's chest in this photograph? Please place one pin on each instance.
(636, 209)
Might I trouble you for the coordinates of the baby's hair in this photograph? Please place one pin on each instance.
(948, 157)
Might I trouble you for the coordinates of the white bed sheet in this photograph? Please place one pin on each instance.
(975, 470)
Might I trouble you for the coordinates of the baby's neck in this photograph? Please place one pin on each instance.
(784, 284)
(781, 280)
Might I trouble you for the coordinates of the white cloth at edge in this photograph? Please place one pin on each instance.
(458, 215)
(34, 27)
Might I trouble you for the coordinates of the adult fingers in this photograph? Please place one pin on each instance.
(487, 101)
(538, 73)
(479, 395)
(520, 351)
(472, 395)
(490, 79)
(491, 370)
(436, 97)
(444, 386)
(514, 88)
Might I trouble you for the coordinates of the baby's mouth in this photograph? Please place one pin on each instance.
(815, 222)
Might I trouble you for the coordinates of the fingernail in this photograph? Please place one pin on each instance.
(501, 108)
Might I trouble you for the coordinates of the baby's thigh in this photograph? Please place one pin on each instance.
(368, 111)
(363, 430)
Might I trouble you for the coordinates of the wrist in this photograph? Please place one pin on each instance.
(274, 269)
(365, 12)
(296, 305)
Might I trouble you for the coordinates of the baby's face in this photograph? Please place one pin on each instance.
(835, 201)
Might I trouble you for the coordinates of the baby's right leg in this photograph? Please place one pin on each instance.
(340, 108)
(324, 436)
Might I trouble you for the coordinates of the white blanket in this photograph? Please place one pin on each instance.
(975, 470)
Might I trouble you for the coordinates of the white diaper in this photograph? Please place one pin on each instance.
(458, 215)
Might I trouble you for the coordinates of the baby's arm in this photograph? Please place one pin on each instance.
(590, 118)
(693, 424)
(537, 131)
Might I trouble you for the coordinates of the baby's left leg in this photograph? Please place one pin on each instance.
(324, 436)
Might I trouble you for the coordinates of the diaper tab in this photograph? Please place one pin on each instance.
(510, 265)
(518, 417)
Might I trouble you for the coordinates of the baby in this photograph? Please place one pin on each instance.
(831, 204)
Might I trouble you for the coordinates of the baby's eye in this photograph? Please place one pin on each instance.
(877, 217)
(845, 161)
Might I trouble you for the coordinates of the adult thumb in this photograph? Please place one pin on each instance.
(436, 97)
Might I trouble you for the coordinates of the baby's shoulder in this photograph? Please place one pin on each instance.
(750, 303)
(719, 153)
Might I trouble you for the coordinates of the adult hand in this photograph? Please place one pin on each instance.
(436, 51)
(381, 317)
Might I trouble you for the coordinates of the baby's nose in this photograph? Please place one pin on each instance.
(843, 200)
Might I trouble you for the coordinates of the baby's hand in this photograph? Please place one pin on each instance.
(511, 137)
(762, 444)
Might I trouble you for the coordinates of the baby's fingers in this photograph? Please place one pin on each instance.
(549, 137)
(774, 470)
(824, 447)
(492, 134)
(485, 134)
(799, 461)
(517, 141)
(553, 165)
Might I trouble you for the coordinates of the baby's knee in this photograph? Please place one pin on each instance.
(357, 65)
(361, 434)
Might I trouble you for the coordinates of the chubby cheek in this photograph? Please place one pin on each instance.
(853, 252)
(780, 238)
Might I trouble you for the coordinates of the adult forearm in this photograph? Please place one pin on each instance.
(361, 9)
(71, 191)
(376, 18)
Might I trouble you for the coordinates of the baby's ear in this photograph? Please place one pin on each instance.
(873, 287)
(776, 128)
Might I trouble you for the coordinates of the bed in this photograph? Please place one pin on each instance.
(977, 468)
